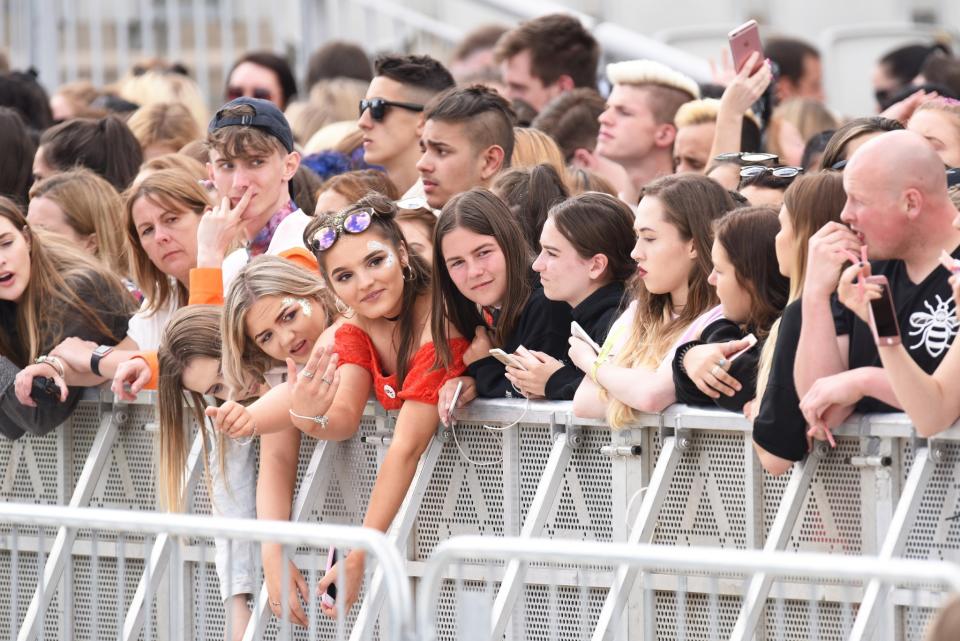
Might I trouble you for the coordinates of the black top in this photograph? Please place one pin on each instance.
(595, 315)
(544, 326)
(927, 316)
(780, 427)
(113, 311)
(743, 368)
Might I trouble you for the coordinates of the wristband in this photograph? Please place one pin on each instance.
(96, 357)
(595, 370)
(320, 420)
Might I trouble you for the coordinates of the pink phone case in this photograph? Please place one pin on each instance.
(744, 40)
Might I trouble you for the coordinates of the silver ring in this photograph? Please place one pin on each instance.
(324, 380)
(722, 362)
(307, 374)
(715, 369)
(275, 604)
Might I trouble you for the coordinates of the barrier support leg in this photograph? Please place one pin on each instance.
(641, 532)
(903, 517)
(315, 481)
(399, 531)
(160, 552)
(543, 501)
(788, 512)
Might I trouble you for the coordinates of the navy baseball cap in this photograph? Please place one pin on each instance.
(266, 117)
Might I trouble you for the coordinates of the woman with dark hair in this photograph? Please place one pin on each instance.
(484, 289)
(106, 146)
(848, 138)
(752, 294)
(263, 75)
(584, 261)
(49, 290)
(530, 192)
(17, 158)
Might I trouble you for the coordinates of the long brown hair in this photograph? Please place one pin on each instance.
(596, 223)
(91, 206)
(56, 270)
(747, 236)
(416, 281)
(691, 203)
(193, 332)
(481, 212)
(176, 190)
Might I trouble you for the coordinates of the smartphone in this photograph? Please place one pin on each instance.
(329, 598)
(744, 40)
(456, 397)
(582, 334)
(883, 314)
(751, 339)
(506, 359)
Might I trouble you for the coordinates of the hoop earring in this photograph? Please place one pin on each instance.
(408, 274)
(343, 309)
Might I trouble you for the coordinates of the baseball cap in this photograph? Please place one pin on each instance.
(266, 117)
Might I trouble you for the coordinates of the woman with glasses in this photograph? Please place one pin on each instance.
(764, 185)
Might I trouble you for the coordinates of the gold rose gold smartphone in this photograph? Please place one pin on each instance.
(744, 40)
(883, 314)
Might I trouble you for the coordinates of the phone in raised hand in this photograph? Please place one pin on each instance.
(744, 40)
(506, 359)
(582, 334)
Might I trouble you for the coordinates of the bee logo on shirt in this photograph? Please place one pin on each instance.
(936, 327)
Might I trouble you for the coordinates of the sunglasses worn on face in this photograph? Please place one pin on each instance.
(236, 92)
(778, 172)
(355, 223)
(378, 107)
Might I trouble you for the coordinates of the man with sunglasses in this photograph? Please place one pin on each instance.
(391, 115)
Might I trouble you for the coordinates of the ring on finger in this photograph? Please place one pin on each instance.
(716, 370)
(722, 363)
(326, 380)
(307, 374)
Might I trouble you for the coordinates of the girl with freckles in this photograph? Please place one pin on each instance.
(384, 345)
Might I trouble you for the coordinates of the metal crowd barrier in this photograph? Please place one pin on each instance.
(119, 534)
(454, 567)
(684, 478)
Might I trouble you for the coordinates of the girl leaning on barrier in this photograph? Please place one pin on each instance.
(163, 212)
(671, 302)
(779, 429)
(720, 367)
(189, 357)
(485, 289)
(48, 290)
(384, 345)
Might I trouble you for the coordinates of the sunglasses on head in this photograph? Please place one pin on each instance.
(237, 92)
(748, 157)
(354, 223)
(378, 107)
(778, 172)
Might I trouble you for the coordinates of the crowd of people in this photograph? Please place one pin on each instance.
(493, 227)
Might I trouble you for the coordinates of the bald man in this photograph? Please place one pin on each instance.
(898, 207)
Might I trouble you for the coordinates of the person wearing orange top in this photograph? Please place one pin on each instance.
(386, 346)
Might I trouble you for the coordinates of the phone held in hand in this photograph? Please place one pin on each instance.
(883, 314)
(744, 40)
(329, 598)
(456, 397)
(44, 391)
(752, 340)
(506, 359)
(579, 332)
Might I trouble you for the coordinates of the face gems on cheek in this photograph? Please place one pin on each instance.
(305, 306)
(375, 245)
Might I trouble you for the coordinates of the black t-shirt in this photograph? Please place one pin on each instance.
(544, 326)
(927, 316)
(780, 427)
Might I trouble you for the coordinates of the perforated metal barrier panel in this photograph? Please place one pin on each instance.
(718, 496)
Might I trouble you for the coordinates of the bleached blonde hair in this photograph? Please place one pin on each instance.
(651, 72)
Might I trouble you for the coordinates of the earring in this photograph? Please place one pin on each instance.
(407, 271)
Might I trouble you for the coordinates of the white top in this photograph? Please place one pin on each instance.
(289, 234)
(146, 329)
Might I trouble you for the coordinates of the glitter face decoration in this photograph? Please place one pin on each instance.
(305, 305)
(375, 245)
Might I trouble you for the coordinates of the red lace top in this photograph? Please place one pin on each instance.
(422, 382)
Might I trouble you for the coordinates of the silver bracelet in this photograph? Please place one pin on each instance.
(53, 362)
(319, 420)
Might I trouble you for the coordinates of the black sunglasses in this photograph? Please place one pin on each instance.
(778, 172)
(378, 107)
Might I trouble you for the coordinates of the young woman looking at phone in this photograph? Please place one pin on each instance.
(671, 302)
(752, 293)
(484, 290)
(584, 261)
